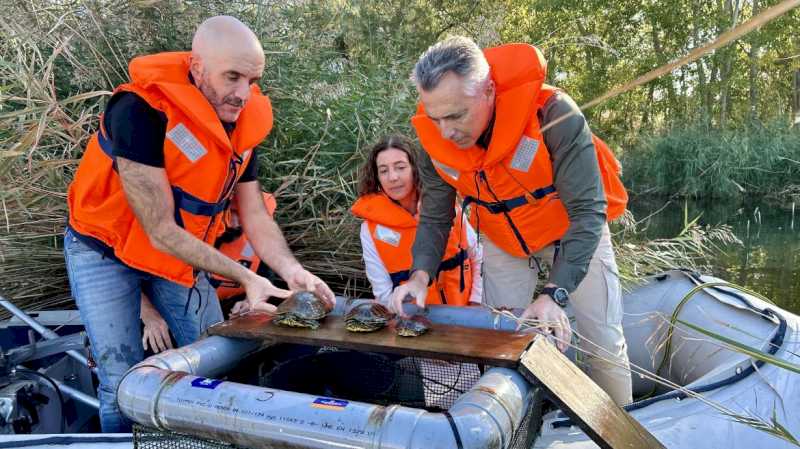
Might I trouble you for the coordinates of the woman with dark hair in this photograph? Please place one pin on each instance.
(389, 195)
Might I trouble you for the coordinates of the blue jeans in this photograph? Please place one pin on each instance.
(108, 294)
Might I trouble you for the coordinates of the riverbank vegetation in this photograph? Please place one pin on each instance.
(761, 160)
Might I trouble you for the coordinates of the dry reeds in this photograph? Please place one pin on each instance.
(691, 248)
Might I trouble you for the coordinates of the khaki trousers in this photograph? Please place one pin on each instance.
(596, 304)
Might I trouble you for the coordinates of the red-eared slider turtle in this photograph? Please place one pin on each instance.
(367, 317)
(413, 326)
(302, 309)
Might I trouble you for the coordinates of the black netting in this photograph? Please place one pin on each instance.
(375, 378)
(146, 438)
(529, 427)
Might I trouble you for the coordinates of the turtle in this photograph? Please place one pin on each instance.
(413, 326)
(301, 309)
(367, 317)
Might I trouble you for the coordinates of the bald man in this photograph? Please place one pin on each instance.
(175, 148)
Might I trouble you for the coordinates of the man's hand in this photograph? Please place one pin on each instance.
(301, 279)
(270, 244)
(416, 287)
(258, 290)
(156, 331)
(553, 318)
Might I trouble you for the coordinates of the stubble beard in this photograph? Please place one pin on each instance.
(216, 102)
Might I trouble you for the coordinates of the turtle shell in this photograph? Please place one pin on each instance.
(413, 326)
(303, 305)
(301, 309)
(367, 317)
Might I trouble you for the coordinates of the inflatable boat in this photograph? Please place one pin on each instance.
(220, 390)
(725, 387)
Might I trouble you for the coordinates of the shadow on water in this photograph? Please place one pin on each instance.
(768, 261)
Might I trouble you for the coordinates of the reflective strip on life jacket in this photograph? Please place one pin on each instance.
(183, 200)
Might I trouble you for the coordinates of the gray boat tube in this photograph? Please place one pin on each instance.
(176, 391)
(473, 316)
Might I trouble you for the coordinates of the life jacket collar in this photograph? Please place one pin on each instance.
(379, 208)
(169, 73)
(518, 72)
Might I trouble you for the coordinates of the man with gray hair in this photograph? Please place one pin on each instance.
(542, 188)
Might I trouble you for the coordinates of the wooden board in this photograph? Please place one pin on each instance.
(587, 404)
(453, 343)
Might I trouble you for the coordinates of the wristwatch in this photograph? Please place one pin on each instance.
(558, 294)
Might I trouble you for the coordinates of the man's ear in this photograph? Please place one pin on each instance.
(196, 68)
(490, 90)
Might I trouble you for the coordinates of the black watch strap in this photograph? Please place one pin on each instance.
(557, 294)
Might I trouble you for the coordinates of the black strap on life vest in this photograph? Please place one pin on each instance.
(448, 264)
(454, 262)
(399, 277)
(498, 207)
(183, 200)
(195, 206)
(105, 145)
(505, 206)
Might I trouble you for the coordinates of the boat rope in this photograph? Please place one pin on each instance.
(722, 40)
(459, 443)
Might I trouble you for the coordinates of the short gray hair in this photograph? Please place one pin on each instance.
(456, 54)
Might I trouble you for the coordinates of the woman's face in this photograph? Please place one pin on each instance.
(395, 173)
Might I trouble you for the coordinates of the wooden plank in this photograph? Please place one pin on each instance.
(606, 423)
(453, 343)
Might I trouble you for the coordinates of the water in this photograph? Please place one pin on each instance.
(768, 261)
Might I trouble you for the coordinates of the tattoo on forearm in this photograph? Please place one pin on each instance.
(147, 196)
(148, 193)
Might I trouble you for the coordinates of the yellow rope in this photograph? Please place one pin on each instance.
(725, 38)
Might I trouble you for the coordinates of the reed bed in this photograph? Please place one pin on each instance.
(696, 161)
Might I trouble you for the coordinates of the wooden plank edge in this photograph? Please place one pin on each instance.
(541, 345)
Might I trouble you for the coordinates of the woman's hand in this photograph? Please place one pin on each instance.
(156, 332)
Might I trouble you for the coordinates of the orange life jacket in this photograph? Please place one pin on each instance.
(393, 230)
(242, 252)
(512, 181)
(201, 161)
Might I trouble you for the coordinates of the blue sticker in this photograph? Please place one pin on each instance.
(204, 382)
(329, 403)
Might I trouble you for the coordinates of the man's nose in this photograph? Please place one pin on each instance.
(448, 131)
(243, 91)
